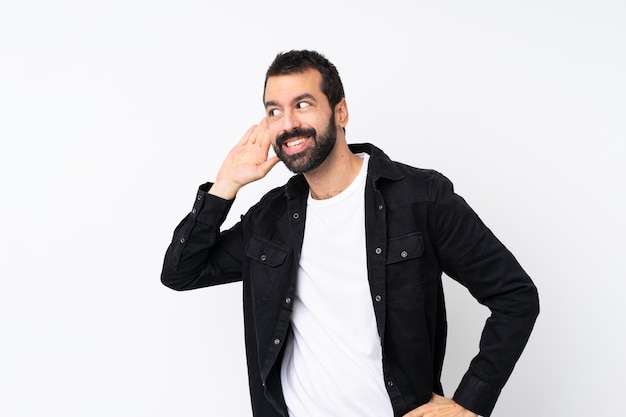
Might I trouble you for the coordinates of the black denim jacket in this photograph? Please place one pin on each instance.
(416, 228)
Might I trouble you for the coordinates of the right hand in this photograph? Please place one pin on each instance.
(247, 162)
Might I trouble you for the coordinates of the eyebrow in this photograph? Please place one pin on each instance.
(295, 100)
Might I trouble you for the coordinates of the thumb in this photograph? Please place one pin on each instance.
(269, 164)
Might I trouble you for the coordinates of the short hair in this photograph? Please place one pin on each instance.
(297, 62)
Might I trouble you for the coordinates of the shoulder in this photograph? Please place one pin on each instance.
(274, 202)
(406, 181)
(381, 166)
(417, 184)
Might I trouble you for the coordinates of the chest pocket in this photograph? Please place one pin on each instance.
(405, 247)
(266, 259)
(405, 275)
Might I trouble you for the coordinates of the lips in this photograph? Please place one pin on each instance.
(295, 141)
(291, 138)
(295, 145)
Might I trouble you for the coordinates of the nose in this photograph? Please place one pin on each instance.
(290, 121)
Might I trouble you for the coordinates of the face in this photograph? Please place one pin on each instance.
(302, 124)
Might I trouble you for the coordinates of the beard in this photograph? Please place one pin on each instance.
(311, 157)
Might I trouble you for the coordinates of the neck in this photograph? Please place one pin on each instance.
(335, 174)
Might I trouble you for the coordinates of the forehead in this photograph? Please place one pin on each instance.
(284, 88)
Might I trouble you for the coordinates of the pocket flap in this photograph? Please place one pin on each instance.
(265, 252)
(405, 247)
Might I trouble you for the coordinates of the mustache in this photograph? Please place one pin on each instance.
(297, 132)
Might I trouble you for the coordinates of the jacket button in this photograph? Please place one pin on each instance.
(277, 341)
(263, 258)
(404, 254)
(296, 216)
(380, 207)
(378, 298)
(378, 251)
(288, 300)
(182, 240)
(390, 383)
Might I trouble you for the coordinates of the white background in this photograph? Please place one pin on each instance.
(112, 112)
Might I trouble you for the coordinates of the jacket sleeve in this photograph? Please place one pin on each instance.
(199, 254)
(473, 256)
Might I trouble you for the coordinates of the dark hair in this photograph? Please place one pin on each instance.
(296, 62)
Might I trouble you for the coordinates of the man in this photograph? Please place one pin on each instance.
(341, 267)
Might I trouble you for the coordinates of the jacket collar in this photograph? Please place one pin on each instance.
(380, 166)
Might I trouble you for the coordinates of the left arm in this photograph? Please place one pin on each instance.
(470, 253)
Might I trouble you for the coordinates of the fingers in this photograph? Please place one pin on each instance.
(415, 413)
(439, 406)
(426, 408)
(246, 136)
(256, 135)
(265, 139)
(261, 134)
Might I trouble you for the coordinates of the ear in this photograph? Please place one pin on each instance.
(341, 113)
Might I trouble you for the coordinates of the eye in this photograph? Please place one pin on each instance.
(303, 105)
(273, 112)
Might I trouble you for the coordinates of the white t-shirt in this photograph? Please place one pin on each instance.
(332, 364)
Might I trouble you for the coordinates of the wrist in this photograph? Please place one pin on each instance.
(224, 189)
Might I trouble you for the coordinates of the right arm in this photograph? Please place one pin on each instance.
(199, 254)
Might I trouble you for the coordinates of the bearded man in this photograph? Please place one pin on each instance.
(342, 266)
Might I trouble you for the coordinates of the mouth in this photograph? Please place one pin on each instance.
(296, 145)
(295, 142)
